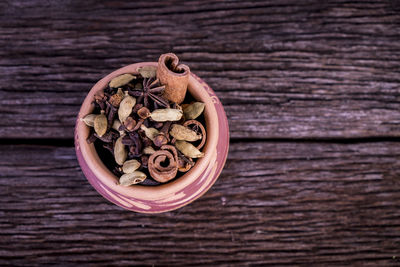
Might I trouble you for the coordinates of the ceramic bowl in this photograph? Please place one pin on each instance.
(172, 195)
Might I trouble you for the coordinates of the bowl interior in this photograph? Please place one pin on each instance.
(160, 192)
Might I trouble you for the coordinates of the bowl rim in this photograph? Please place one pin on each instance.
(151, 193)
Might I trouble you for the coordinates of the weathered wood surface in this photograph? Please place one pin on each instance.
(275, 203)
(286, 69)
(283, 70)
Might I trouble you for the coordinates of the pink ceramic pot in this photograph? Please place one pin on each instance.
(170, 196)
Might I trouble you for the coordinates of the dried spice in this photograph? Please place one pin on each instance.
(167, 114)
(149, 132)
(89, 119)
(116, 126)
(157, 170)
(196, 127)
(116, 98)
(175, 77)
(181, 132)
(184, 163)
(121, 80)
(150, 90)
(130, 166)
(193, 110)
(125, 108)
(148, 150)
(120, 151)
(100, 124)
(143, 113)
(162, 138)
(135, 177)
(188, 149)
(129, 124)
(148, 71)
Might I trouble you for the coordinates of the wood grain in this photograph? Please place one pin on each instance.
(284, 70)
(293, 69)
(275, 203)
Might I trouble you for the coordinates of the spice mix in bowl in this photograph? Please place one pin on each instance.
(149, 132)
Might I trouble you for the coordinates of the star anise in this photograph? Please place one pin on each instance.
(151, 90)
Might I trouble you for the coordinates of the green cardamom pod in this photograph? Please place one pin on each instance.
(167, 114)
(125, 107)
(148, 150)
(120, 151)
(188, 149)
(193, 110)
(89, 119)
(151, 133)
(116, 125)
(135, 177)
(181, 132)
(148, 71)
(100, 124)
(130, 166)
(121, 80)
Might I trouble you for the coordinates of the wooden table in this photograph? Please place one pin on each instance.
(312, 94)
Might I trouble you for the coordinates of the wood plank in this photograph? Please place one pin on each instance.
(293, 69)
(275, 203)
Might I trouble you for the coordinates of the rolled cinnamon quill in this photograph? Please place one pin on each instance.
(175, 77)
(157, 171)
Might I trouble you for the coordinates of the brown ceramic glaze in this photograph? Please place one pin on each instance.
(180, 192)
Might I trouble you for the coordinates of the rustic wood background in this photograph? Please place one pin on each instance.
(312, 94)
